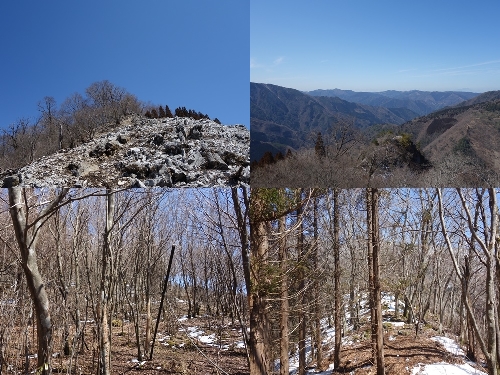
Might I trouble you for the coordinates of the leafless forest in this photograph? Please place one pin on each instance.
(82, 281)
(339, 281)
(358, 281)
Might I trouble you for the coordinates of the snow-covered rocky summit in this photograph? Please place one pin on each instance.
(141, 152)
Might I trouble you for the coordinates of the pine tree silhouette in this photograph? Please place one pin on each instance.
(161, 112)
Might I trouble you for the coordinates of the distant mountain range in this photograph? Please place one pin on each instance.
(283, 118)
(420, 102)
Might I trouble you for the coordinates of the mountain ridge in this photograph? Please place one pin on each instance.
(284, 118)
(421, 102)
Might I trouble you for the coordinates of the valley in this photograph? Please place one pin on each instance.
(452, 146)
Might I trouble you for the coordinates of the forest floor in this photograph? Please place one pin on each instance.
(405, 352)
(197, 346)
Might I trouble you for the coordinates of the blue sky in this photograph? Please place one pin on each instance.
(188, 53)
(376, 45)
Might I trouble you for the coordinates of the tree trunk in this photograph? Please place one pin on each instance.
(371, 299)
(27, 236)
(374, 247)
(302, 284)
(338, 296)
(284, 341)
(317, 301)
(260, 359)
(105, 289)
(376, 283)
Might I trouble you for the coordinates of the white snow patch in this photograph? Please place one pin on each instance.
(449, 344)
(240, 345)
(207, 339)
(396, 324)
(444, 368)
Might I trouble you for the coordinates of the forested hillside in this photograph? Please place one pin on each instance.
(368, 281)
(109, 282)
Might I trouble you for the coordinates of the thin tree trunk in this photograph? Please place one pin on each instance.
(371, 285)
(105, 289)
(27, 236)
(284, 340)
(338, 296)
(303, 303)
(317, 301)
(376, 283)
(260, 360)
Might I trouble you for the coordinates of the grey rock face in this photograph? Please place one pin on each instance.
(172, 152)
(214, 161)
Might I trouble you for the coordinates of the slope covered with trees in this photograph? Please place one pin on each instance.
(82, 274)
(366, 281)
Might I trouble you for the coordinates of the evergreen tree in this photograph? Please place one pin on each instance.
(168, 113)
(161, 112)
(154, 114)
(217, 121)
(267, 159)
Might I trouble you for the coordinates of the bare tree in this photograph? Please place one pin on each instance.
(27, 236)
(488, 247)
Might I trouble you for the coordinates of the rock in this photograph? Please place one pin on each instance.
(181, 132)
(122, 138)
(75, 169)
(138, 184)
(97, 152)
(173, 148)
(231, 157)
(165, 181)
(138, 169)
(178, 176)
(153, 152)
(214, 161)
(158, 139)
(195, 132)
(111, 147)
(195, 159)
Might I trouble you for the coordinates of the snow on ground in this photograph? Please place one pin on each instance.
(446, 369)
(388, 302)
(429, 369)
(207, 339)
(328, 337)
(443, 368)
(240, 345)
(135, 360)
(195, 332)
(449, 344)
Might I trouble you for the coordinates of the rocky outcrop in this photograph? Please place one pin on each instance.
(169, 152)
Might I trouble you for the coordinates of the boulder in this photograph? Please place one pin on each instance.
(214, 161)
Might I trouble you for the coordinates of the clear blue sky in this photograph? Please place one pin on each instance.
(191, 53)
(371, 45)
